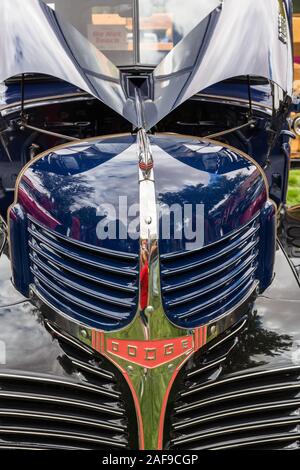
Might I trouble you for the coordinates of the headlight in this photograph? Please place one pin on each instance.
(296, 125)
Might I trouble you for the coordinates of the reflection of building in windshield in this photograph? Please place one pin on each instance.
(109, 25)
(155, 32)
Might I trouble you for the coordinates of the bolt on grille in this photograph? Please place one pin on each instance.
(94, 286)
(256, 409)
(201, 285)
(89, 411)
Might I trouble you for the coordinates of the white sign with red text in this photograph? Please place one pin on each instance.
(108, 37)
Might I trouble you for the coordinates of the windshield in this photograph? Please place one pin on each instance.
(132, 32)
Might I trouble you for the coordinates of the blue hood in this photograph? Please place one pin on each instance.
(65, 195)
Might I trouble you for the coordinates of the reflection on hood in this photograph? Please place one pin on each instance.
(224, 44)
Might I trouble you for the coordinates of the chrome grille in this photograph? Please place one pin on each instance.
(256, 409)
(92, 285)
(93, 410)
(201, 285)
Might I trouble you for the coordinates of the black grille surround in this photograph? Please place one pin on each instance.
(89, 409)
(93, 286)
(201, 285)
(252, 409)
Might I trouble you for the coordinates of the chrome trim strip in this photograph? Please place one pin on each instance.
(80, 288)
(242, 377)
(61, 417)
(233, 235)
(62, 435)
(80, 365)
(43, 379)
(247, 427)
(15, 446)
(60, 400)
(236, 412)
(148, 209)
(80, 244)
(205, 368)
(281, 438)
(77, 257)
(68, 339)
(40, 446)
(81, 274)
(239, 394)
(233, 333)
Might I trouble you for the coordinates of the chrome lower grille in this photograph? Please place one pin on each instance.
(253, 409)
(92, 285)
(201, 285)
(49, 412)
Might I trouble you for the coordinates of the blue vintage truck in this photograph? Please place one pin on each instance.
(149, 281)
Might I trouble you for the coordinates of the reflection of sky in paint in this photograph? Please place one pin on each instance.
(86, 195)
(8, 293)
(108, 179)
(29, 347)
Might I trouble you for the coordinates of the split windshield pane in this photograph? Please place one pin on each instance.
(109, 24)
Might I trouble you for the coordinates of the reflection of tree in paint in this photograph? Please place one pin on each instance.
(256, 342)
(63, 193)
(225, 204)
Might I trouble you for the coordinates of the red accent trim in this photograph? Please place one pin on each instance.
(165, 402)
(144, 285)
(146, 166)
(200, 337)
(196, 342)
(150, 354)
(98, 343)
(94, 340)
(137, 409)
(135, 399)
(159, 346)
(204, 335)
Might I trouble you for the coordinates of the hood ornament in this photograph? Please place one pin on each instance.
(145, 154)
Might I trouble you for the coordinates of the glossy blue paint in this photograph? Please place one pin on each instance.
(201, 283)
(70, 190)
(260, 94)
(93, 286)
(18, 233)
(200, 286)
(228, 186)
(67, 194)
(267, 245)
(11, 92)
